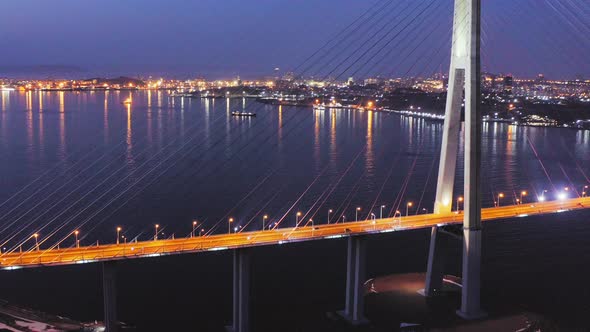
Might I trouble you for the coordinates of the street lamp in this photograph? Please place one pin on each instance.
(522, 195)
(585, 191)
(118, 233)
(500, 195)
(329, 212)
(229, 225)
(194, 228)
(459, 200)
(36, 236)
(356, 215)
(201, 232)
(381, 211)
(408, 206)
(76, 232)
(311, 221)
(156, 226)
(297, 218)
(264, 218)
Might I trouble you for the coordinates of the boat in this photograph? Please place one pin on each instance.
(243, 114)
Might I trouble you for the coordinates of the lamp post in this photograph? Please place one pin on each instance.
(194, 228)
(118, 234)
(500, 196)
(297, 215)
(329, 212)
(381, 211)
(230, 220)
(36, 236)
(156, 226)
(408, 206)
(543, 198)
(356, 215)
(76, 232)
(201, 232)
(522, 195)
(585, 191)
(264, 218)
(459, 200)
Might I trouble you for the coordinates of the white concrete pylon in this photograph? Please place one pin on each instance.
(464, 74)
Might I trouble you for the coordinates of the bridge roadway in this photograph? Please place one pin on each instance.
(145, 249)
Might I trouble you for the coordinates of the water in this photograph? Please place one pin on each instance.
(95, 164)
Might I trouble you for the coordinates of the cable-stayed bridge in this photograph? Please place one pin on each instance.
(361, 58)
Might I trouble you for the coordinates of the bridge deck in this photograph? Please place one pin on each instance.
(144, 249)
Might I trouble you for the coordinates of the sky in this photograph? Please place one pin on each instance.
(225, 38)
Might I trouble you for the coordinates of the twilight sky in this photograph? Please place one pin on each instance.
(222, 38)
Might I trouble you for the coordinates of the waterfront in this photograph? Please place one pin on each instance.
(220, 160)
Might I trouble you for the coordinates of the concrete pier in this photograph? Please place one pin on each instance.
(437, 254)
(355, 277)
(241, 292)
(109, 291)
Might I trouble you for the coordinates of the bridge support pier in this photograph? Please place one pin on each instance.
(109, 291)
(355, 277)
(437, 255)
(470, 295)
(241, 292)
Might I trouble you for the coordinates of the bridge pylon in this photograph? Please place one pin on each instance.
(464, 80)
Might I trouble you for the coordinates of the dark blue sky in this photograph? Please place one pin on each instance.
(222, 38)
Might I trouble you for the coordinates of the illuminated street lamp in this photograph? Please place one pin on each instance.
(156, 226)
(329, 212)
(356, 215)
(585, 191)
(76, 232)
(264, 218)
(118, 234)
(459, 200)
(194, 228)
(297, 218)
(543, 198)
(311, 221)
(500, 196)
(230, 220)
(381, 211)
(408, 206)
(36, 236)
(201, 232)
(522, 195)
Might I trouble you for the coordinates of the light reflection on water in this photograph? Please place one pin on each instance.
(220, 158)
